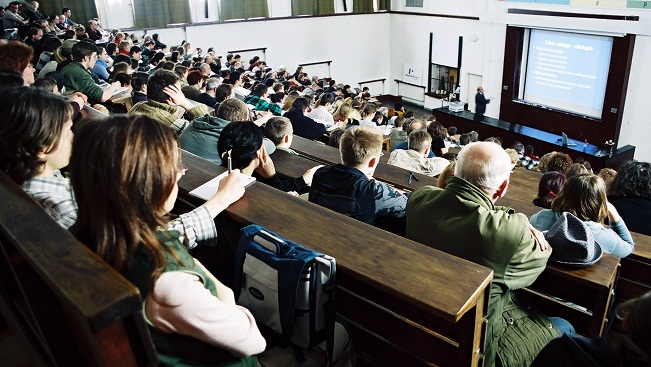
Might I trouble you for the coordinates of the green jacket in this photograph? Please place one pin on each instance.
(77, 78)
(167, 113)
(461, 220)
(176, 349)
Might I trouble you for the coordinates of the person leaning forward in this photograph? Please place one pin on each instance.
(463, 220)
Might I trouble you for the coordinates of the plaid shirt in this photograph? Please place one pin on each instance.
(413, 161)
(55, 195)
(262, 105)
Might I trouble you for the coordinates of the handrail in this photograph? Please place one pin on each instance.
(263, 49)
(316, 63)
(413, 85)
(373, 81)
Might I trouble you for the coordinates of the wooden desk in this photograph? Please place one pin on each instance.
(590, 287)
(64, 305)
(122, 98)
(211, 109)
(635, 277)
(396, 176)
(406, 302)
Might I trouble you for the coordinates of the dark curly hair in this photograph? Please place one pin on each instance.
(633, 180)
(559, 162)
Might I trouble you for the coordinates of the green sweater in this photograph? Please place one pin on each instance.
(461, 220)
(176, 349)
(77, 78)
(166, 114)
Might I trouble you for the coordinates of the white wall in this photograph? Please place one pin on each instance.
(356, 44)
(409, 43)
(374, 46)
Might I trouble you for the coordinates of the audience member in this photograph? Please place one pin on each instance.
(18, 57)
(438, 134)
(349, 187)
(550, 185)
(632, 347)
(260, 101)
(398, 135)
(585, 197)
(304, 126)
(608, 175)
(631, 195)
(575, 169)
(243, 142)
(322, 111)
(444, 177)
(164, 97)
(559, 162)
(415, 158)
(208, 97)
(77, 77)
(279, 130)
(491, 236)
(139, 84)
(192, 316)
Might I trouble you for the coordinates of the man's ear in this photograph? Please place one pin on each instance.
(501, 191)
(374, 162)
(286, 138)
(426, 154)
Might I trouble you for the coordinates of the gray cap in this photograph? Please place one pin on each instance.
(572, 242)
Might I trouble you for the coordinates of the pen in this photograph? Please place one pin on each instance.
(230, 162)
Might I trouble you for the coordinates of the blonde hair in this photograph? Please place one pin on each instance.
(359, 144)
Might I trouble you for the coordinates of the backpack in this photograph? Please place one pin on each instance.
(289, 289)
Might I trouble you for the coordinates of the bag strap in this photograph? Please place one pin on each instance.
(330, 313)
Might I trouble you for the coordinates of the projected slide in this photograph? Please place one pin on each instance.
(567, 71)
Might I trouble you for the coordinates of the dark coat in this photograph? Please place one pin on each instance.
(304, 126)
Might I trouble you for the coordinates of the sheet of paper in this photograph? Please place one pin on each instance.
(209, 189)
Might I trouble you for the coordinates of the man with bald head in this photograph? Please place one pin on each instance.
(463, 220)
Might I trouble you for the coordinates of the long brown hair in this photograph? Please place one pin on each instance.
(123, 172)
(584, 196)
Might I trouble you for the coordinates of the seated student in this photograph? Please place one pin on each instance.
(208, 97)
(33, 156)
(438, 133)
(124, 202)
(349, 187)
(367, 115)
(164, 97)
(585, 197)
(322, 111)
(413, 124)
(242, 140)
(631, 194)
(279, 130)
(631, 347)
(260, 101)
(18, 56)
(415, 158)
(193, 89)
(224, 91)
(550, 185)
(139, 84)
(76, 75)
(202, 134)
(398, 135)
(303, 125)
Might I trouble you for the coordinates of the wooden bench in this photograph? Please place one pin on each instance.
(64, 305)
(396, 176)
(407, 303)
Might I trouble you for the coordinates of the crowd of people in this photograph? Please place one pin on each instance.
(123, 172)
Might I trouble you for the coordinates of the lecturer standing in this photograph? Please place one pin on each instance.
(480, 104)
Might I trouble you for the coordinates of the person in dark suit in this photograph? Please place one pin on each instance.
(480, 104)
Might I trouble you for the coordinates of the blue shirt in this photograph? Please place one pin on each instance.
(615, 240)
